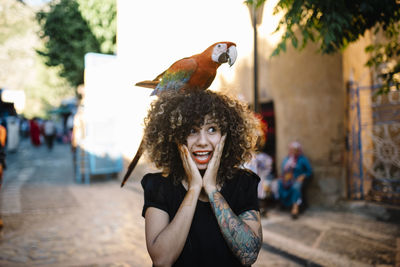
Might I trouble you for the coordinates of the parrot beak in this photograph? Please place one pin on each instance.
(224, 52)
(223, 58)
(229, 56)
(232, 55)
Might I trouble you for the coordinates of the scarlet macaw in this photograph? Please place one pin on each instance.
(191, 73)
(196, 72)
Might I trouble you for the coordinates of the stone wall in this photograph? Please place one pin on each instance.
(309, 98)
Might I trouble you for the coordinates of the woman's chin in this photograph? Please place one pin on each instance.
(201, 166)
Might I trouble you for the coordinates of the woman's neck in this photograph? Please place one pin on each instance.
(203, 195)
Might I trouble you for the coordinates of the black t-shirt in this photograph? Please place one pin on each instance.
(205, 246)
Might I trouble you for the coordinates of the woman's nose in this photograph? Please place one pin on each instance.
(202, 140)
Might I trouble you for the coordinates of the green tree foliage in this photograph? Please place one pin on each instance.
(333, 24)
(22, 68)
(71, 29)
(385, 57)
(101, 16)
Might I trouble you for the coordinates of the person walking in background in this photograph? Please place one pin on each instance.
(34, 130)
(69, 126)
(3, 137)
(49, 132)
(295, 170)
(24, 127)
(202, 209)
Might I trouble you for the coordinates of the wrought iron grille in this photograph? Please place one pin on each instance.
(373, 145)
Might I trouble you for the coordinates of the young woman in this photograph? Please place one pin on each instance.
(202, 209)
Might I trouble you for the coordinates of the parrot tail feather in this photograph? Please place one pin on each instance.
(148, 84)
(133, 163)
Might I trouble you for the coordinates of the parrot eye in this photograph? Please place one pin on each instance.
(219, 45)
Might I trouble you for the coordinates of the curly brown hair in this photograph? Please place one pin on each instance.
(173, 115)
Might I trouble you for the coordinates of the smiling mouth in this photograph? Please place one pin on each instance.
(202, 157)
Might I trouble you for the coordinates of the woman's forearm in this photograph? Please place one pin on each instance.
(168, 244)
(244, 243)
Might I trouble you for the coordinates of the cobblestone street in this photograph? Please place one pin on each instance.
(50, 220)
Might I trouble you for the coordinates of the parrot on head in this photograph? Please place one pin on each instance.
(193, 73)
(188, 74)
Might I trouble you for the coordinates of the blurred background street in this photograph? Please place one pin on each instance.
(51, 220)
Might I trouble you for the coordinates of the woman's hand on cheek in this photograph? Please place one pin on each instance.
(192, 173)
(210, 176)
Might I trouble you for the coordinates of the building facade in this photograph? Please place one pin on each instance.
(304, 93)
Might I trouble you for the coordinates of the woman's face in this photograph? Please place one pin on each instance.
(294, 151)
(202, 142)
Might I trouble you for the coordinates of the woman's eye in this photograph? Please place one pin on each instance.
(212, 130)
(192, 131)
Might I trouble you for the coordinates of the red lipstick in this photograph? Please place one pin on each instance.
(202, 156)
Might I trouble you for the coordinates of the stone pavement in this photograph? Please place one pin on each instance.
(334, 238)
(50, 220)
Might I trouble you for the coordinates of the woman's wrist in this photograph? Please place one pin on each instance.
(195, 187)
(210, 189)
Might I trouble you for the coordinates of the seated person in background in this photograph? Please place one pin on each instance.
(261, 164)
(295, 169)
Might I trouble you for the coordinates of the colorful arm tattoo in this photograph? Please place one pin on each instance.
(244, 243)
(253, 215)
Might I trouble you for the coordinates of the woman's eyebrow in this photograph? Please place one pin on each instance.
(211, 121)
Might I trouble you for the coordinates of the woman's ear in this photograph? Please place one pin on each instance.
(177, 143)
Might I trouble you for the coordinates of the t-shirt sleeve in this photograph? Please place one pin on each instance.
(154, 192)
(249, 182)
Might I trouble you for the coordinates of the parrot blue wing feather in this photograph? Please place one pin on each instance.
(173, 81)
